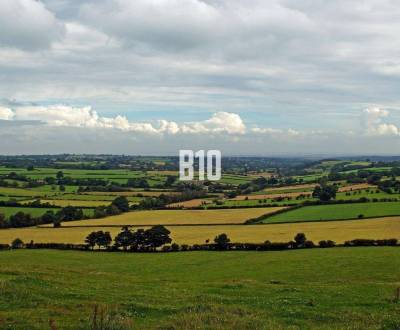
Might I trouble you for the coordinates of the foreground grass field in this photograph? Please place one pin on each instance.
(340, 288)
(337, 212)
(338, 231)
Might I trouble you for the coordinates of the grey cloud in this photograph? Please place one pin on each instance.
(282, 59)
(27, 24)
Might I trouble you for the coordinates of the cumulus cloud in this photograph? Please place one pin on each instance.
(372, 120)
(28, 24)
(6, 113)
(194, 56)
(86, 117)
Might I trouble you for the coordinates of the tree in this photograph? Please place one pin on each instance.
(103, 239)
(157, 236)
(59, 175)
(124, 239)
(222, 241)
(56, 223)
(91, 239)
(138, 239)
(17, 244)
(99, 238)
(121, 203)
(170, 180)
(325, 192)
(30, 168)
(21, 219)
(100, 212)
(49, 217)
(300, 240)
(62, 188)
(69, 213)
(112, 210)
(3, 221)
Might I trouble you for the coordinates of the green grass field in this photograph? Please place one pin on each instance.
(341, 288)
(337, 212)
(34, 212)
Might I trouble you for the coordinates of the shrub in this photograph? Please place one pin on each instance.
(222, 242)
(17, 244)
(4, 246)
(174, 247)
(309, 244)
(300, 240)
(326, 244)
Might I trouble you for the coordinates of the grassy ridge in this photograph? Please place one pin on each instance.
(324, 289)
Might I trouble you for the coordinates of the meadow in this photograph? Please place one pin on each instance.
(337, 212)
(340, 288)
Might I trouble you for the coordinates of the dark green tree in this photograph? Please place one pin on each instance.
(300, 240)
(70, 213)
(157, 236)
(91, 239)
(325, 192)
(121, 203)
(3, 221)
(103, 239)
(17, 244)
(124, 239)
(222, 242)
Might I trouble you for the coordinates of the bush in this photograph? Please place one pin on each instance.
(4, 246)
(174, 247)
(326, 244)
(300, 240)
(222, 242)
(309, 244)
(17, 244)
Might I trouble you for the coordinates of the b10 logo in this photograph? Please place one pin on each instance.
(186, 162)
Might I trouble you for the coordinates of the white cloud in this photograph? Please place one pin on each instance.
(220, 122)
(372, 120)
(27, 24)
(6, 113)
(86, 117)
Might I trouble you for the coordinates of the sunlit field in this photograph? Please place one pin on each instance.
(338, 231)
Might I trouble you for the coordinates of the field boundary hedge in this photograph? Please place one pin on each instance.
(267, 246)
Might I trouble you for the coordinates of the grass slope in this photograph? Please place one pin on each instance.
(337, 212)
(321, 289)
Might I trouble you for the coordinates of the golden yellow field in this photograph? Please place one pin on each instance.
(174, 217)
(338, 231)
(358, 186)
(191, 203)
(297, 186)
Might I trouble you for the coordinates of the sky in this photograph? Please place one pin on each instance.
(248, 77)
